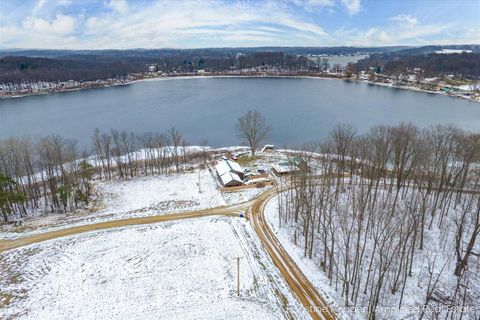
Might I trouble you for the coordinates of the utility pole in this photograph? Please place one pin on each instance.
(238, 276)
(199, 183)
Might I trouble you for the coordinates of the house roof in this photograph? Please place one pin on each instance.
(228, 166)
(291, 165)
(230, 177)
(268, 146)
(284, 167)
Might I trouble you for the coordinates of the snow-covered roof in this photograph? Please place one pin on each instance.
(235, 166)
(228, 166)
(230, 177)
(285, 167)
(267, 147)
(222, 167)
(290, 165)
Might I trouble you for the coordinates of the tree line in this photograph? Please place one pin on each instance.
(463, 65)
(21, 69)
(78, 68)
(389, 212)
(52, 175)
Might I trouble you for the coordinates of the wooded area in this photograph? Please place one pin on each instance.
(463, 65)
(31, 66)
(366, 208)
(52, 175)
(18, 69)
(365, 211)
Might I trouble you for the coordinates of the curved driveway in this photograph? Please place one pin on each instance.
(304, 290)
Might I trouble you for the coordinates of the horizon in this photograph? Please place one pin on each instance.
(147, 24)
(244, 47)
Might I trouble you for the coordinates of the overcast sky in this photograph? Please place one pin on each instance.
(102, 24)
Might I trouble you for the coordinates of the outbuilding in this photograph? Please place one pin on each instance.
(268, 148)
(285, 168)
(291, 166)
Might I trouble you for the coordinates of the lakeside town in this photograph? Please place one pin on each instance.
(411, 79)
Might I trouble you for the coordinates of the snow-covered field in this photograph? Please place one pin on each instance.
(159, 194)
(140, 196)
(175, 270)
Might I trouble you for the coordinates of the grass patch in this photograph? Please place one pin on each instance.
(245, 161)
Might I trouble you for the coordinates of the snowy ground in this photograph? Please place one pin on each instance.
(146, 196)
(140, 196)
(414, 290)
(242, 195)
(308, 267)
(159, 194)
(183, 269)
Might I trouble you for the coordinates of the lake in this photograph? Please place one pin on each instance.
(299, 110)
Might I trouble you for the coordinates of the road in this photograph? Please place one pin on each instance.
(317, 307)
(303, 289)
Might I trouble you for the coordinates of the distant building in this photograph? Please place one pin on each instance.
(291, 166)
(230, 173)
(268, 148)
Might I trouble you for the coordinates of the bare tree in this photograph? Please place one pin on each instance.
(253, 128)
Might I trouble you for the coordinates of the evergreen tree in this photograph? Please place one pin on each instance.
(8, 196)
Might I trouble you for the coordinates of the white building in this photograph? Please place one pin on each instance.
(268, 148)
(230, 173)
(285, 168)
(230, 179)
(291, 166)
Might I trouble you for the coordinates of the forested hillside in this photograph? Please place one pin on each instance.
(16, 69)
(464, 65)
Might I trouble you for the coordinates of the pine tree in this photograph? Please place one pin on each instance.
(8, 196)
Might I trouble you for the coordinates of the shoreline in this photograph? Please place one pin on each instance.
(191, 77)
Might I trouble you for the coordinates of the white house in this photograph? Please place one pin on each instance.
(230, 173)
(225, 166)
(230, 179)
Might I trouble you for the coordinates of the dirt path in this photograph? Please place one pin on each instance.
(303, 289)
(15, 243)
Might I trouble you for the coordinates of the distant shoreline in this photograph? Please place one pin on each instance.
(188, 77)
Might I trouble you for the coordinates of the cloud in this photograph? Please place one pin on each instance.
(38, 6)
(122, 24)
(352, 6)
(41, 5)
(61, 25)
(406, 18)
(405, 30)
(311, 5)
(118, 5)
(177, 24)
